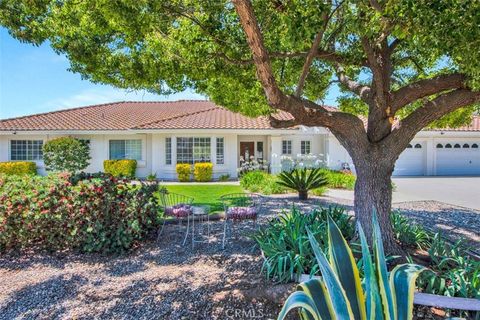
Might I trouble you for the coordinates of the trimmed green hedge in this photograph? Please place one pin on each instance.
(120, 168)
(18, 168)
(203, 172)
(184, 171)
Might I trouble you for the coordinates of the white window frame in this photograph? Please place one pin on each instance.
(168, 151)
(142, 148)
(196, 142)
(220, 154)
(287, 147)
(29, 143)
(303, 147)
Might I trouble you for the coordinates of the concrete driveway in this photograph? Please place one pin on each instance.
(459, 191)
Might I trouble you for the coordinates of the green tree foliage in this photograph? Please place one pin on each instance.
(66, 154)
(166, 46)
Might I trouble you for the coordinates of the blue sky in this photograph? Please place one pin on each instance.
(35, 79)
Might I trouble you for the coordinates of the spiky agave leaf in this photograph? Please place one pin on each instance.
(300, 300)
(341, 305)
(315, 289)
(402, 282)
(373, 304)
(386, 295)
(342, 261)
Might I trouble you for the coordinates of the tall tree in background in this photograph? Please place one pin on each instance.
(403, 65)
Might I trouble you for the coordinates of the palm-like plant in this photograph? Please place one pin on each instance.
(339, 294)
(303, 180)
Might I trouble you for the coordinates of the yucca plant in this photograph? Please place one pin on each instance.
(302, 180)
(340, 294)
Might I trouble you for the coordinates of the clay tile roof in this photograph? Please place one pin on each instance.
(183, 114)
(474, 126)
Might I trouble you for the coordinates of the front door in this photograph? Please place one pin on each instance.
(247, 149)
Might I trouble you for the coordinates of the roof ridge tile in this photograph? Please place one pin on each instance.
(186, 114)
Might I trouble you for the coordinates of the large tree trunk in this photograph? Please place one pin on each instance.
(373, 191)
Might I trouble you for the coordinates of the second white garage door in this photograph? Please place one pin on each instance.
(457, 158)
(412, 161)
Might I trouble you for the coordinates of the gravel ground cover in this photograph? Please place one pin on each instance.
(158, 280)
(454, 222)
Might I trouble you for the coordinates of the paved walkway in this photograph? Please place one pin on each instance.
(458, 191)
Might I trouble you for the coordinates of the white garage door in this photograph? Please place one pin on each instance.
(458, 158)
(412, 161)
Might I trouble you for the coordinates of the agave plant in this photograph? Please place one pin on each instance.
(339, 293)
(303, 180)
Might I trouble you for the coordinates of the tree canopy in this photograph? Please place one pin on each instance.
(165, 46)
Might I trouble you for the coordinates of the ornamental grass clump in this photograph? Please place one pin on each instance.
(340, 294)
(284, 241)
(86, 213)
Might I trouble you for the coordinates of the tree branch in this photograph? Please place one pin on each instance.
(362, 91)
(305, 112)
(429, 112)
(424, 88)
(308, 62)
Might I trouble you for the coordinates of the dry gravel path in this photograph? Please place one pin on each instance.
(159, 280)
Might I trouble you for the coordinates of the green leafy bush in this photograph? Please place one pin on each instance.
(454, 272)
(120, 168)
(260, 181)
(302, 180)
(203, 171)
(18, 168)
(224, 177)
(408, 233)
(152, 176)
(340, 294)
(339, 179)
(66, 154)
(284, 241)
(86, 212)
(184, 171)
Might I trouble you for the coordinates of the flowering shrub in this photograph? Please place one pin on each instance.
(66, 154)
(309, 161)
(203, 172)
(89, 213)
(18, 167)
(184, 171)
(120, 168)
(252, 165)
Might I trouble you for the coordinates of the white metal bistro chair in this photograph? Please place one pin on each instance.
(240, 207)
(178, 206)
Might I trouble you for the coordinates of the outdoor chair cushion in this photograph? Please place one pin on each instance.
(242, 213)
(179, 210)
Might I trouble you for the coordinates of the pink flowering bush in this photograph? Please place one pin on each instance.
(89, 213)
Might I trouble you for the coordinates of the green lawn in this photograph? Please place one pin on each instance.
(206, 194)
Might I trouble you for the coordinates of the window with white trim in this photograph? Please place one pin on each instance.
(26, 150)
(168, 151)
(305, 147)
(193, 149)
(287, 147)
(125, 149)
(220, 150)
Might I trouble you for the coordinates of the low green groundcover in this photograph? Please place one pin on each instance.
(205, 194)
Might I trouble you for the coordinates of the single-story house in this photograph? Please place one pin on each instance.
(161, 134)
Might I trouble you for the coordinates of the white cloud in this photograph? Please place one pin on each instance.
(108, 94)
